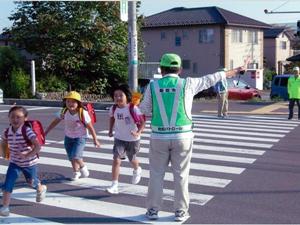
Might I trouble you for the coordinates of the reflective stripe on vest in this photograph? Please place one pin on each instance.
(167, 121)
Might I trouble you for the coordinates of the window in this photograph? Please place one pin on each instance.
(186, 64)
(177, 41)
(284, 82)
(185, 34)
(283, 44)
(253, 37)
(195, 68)
(206, 36)
(162, 35)
(237, 36)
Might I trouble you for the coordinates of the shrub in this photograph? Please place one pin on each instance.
(51, 83)
(19, 85)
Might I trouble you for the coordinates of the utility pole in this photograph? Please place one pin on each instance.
(133, 47)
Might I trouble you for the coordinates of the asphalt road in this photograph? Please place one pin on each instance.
(245, 169)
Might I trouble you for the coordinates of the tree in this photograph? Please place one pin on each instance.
(79, 41)
(9, 59)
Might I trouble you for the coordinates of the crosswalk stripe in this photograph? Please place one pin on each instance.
(108, 156)
(147, 135)
(223, 136)
(16, 219)
(248, 121)
(197, 180)
(249, 129)
(168, 176)
(103, 208)
(231, 124)
(124, 188)
(229, 149)
(202, 130)
(204, 140)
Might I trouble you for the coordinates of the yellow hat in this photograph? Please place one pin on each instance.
(73, 95)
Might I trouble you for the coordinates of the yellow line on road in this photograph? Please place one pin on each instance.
(269, 109)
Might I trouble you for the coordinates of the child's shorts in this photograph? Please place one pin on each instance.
(13, 172)
(75, 147)
(126, 148)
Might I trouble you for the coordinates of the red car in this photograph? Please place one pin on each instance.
(239, 90)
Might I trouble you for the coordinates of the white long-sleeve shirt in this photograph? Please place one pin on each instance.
(192, 87)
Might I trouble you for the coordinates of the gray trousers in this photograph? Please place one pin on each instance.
(178, 153)
(222, 104)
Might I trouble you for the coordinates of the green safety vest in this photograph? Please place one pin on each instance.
(294, 87)
(168, 109)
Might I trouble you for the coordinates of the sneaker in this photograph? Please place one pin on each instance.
(84, 171)
(152, 214)
(40, 195)
(4, 211)
(137, 175)
(181, 215)
(113, 189)
(76, 175)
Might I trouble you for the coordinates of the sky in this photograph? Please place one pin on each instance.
(249, 8)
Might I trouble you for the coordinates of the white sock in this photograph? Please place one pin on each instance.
(115, 183)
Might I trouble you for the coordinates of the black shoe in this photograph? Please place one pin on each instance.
(290, 118)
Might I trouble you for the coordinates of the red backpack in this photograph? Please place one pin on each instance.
(36, 127)
(89, 107)
(136, 118)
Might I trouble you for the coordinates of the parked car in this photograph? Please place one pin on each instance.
(279, 86)
(240, 90)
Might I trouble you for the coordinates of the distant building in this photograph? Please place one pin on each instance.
(206, 38)
(277, 48)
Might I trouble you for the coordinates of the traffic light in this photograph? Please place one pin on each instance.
(298, 28)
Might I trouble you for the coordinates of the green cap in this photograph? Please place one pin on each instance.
(170, 60)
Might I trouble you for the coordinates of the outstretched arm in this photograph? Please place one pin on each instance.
(52, 125)
(240, 69)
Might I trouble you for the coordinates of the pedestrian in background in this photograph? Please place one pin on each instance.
(78, 124)
(221, 88)
(22, 157)
(294, 92)
(170, 100)
(126, 135)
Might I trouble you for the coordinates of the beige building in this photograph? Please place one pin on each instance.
(206, 38)
(277, 48)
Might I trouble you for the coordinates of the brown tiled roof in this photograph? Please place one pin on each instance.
(195, 16)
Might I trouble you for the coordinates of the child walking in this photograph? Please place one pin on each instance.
(76, 132)
(23, 158)
(126, 135)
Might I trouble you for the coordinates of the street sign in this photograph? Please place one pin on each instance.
(124, 10)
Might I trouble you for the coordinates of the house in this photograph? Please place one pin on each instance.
(206, 38)
(277, 48)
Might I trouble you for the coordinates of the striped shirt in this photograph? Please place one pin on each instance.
(17, 144)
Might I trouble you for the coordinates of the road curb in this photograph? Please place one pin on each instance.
(50, 103)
